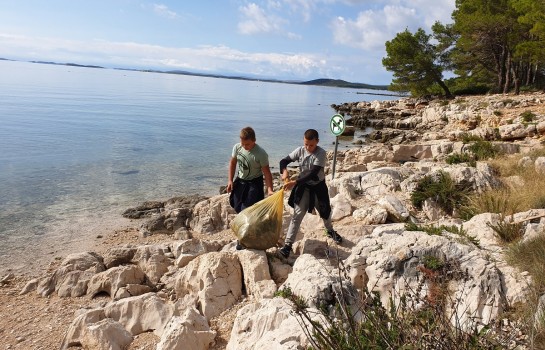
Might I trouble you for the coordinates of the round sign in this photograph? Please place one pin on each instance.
(337, 124)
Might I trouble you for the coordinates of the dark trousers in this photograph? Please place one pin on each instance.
(246, 193)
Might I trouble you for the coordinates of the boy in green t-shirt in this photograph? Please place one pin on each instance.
(253, 164)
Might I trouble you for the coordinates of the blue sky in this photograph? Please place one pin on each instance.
(278, 39)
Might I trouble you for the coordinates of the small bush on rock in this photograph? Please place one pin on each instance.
(527, 116)
(457, 158)
(442, 189)
(413, 320)
(483, 150)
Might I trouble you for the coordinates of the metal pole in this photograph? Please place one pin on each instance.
(335, 157)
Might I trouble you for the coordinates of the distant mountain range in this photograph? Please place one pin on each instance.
(318, 82)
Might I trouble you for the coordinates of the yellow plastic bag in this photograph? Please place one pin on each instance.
(260, 226)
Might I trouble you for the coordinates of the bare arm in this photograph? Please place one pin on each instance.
(288, 185)
(268, 179)
(232, 167)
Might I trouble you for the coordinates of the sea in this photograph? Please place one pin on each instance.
(79, 145)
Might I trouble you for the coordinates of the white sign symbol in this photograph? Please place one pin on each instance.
(337, 124)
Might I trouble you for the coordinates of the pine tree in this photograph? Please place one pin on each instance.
(415, 63)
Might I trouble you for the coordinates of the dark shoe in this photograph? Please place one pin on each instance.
(239, 246)
(285, 250)
(334, 235)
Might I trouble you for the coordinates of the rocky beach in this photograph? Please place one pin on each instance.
(170, 277)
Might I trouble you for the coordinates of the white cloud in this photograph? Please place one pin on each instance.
(257, 21)
(164, 11)
(215, 59)
(372, 28)
(433, 10)
(304, 7)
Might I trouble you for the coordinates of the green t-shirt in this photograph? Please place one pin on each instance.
(250, 162)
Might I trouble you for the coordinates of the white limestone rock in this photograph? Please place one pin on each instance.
(113, 279)
(267, 324)
(215, 279)
(189, 331)
(255, 269)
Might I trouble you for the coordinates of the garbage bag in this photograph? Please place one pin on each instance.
(260, 226)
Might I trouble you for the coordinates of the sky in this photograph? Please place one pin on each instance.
(273, 39)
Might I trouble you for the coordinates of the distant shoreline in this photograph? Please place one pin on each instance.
(316, 82)
(376, 93)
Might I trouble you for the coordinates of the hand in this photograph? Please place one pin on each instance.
(270, 192)
(288, 185)
(229, 187)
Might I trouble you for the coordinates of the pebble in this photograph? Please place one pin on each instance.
(19, 339)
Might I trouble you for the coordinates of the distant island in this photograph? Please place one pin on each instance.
(316, 82)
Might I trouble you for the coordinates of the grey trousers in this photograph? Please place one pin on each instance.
(299, 211)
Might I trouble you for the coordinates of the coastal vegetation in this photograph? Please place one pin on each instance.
(492, 46)
(416, 320)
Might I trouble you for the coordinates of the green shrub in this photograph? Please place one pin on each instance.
(467, 138)
(483, 150)
(442, 189)
(429, 229)
(527, 116)
(457, 158)
(414, 322)
(438, 230)
(433, 263)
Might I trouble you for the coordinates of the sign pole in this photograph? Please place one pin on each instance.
(335, 157)
(337, 125)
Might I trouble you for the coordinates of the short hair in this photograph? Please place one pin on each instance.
(247, 133)
(311, 134)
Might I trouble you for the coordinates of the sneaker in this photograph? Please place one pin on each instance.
(334, 235)
(285, 250)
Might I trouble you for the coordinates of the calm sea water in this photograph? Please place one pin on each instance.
(80, 145)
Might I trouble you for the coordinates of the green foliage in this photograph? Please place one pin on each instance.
(469, 85)
(430, 230)
(457, 158)
(415, 63)
(441, 188)
(483, 150)
(439, 230)
(527, 116)
(433, 263)
(492, 46)
(411, 321)
(531, 13)
(467, 138)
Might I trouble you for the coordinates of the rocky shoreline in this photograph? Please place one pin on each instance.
(175, 280)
